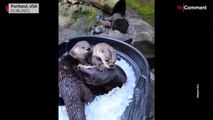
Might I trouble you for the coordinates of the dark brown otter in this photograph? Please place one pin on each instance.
(94, 76)
(119, 23)
(72, 89)
(101, 82)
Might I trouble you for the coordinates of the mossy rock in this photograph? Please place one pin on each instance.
(78, 18)
(145, 8)
(75, 12)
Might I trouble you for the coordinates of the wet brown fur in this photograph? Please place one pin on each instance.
(93, 76)
(103, 56)
(72, 89)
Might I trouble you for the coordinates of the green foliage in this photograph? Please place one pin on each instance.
(79, 12)
(76, 15)
(146, 8)
(90, 12)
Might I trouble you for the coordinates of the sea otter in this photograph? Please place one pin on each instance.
(80, 51)
(100, 74)
(100, 82)
(72, 89)
(119, 23)
(91, 62)
(93, 76)
(103, 56)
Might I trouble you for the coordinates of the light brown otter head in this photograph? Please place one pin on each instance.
(80, 51)
(106, 53)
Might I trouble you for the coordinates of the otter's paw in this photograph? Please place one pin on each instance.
(80, 67)
(101, 67)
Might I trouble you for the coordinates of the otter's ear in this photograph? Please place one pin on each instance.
(112, 50)
(71, 53)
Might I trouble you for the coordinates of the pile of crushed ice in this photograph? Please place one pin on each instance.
(112, 105)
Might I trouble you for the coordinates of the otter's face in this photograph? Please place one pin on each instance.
(80, 50)
(108, 57)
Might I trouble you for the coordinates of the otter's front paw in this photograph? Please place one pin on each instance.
(80, 66)
(101, 67)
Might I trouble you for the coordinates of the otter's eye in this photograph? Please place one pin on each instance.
(99, 59)
(102, 51)
(83, 47)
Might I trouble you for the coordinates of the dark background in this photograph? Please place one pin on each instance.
(183, 55)
(183, 60)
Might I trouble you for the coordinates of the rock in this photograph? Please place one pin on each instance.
(106, 24)
(81, 17)
(73, 1)
(103, 34)
(99, 29)
(138, 30)
(98, 17)
(108, 19)
(67, 32)
(76, 19)
(75, 9)
(130, 40)
(116, 16)
(118, 35)
(145, 47)
(142, 36)
(131, 13)
(131, 30)
(64, 22)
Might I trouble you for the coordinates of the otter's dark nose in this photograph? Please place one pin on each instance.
(111, 66)
(88, 49)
